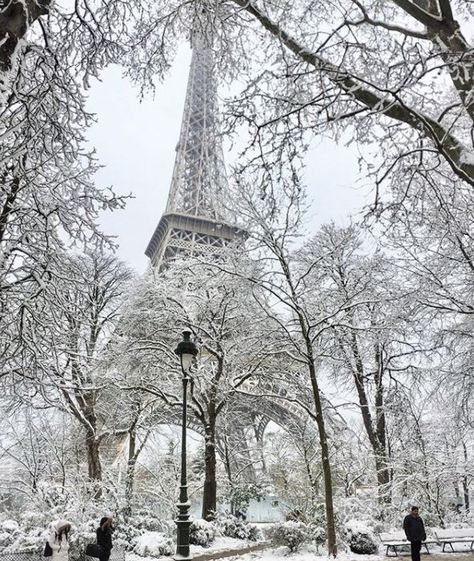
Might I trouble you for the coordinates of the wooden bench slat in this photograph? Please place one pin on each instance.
(456, 540)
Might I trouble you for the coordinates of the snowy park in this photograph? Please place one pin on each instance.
(236, 280)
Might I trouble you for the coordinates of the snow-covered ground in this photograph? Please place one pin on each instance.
(282, 554)
(151, 541)
(222, 544)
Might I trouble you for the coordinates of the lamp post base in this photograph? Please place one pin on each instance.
(183, 523)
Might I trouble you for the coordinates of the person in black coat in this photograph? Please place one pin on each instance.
(415, 532)
(104, 537)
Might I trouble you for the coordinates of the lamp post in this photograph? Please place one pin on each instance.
(187, 351)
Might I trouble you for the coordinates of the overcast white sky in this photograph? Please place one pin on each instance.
(136, 142)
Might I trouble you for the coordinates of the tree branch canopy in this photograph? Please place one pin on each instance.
(386, 102)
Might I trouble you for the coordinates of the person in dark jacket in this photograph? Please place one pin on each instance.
(415, 532)
(104, 537)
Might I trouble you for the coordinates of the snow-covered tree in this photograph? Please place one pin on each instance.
(217, 308)
(283, 291)
(79, 312)
(377, 339)
(36, 453)
(396, 75)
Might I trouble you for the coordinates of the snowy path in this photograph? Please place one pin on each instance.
(236, 553)
(281, 554)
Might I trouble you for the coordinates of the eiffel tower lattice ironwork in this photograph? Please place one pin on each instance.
(195, 221)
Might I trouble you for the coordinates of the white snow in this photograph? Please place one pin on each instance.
(467, 157)
(152, 545)
(10, 525)
(148, 546)
(221, 544)
(150, 538)
(281, 554)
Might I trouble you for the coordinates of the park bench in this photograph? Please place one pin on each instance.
(394, 540)
(450, 536)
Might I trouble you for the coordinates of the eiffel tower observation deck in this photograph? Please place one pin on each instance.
(195, 220)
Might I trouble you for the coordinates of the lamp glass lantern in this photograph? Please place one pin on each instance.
(187, 351)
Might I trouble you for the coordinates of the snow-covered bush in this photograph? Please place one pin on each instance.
(125, 534)
(233, 527)
(317, 534)
(6, 539)
(291, 534)
(13, 537)
(27, 543)
(360, 539)
(9, 531)
(153, 544)
(240, 495)
(202, 533)
(78, 541)
(295, 515)
(148, 522)
(362, 543)
(10, 526)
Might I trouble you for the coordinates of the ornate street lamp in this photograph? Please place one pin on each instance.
(187, 351)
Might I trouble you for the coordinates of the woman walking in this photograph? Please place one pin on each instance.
(104, 537)
(58, 541)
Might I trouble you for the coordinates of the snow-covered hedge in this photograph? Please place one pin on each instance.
(233, 527)
(317, 534)
(291, 534)
(153, 544)
(360, 539)
(14, 538)
(143, 520)
(202, 533)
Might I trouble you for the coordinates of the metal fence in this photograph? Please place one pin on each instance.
(21, 556)
(117, 554)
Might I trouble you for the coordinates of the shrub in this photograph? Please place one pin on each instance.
(153, 544)
(202, 533)
(360, 539)
(6, 539)
(363, 543)
(291, 534)
(145, 521)
(78, 542)
(241, 494)
(126, 534)
(233, 527)
(10, 526)
(318, 534)
(295, 516)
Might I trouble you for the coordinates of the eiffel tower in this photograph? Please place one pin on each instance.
(195, 221)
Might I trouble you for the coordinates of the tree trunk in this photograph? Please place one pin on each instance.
(323, 441)
(326, 465)
(258, 432)
(383, 480)
(376, 430)
(209, 498)
(93, 457)
(130, 477)
(465, 481)
(311, 479)
(465, 488)
(15, 19)
(381, 461)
